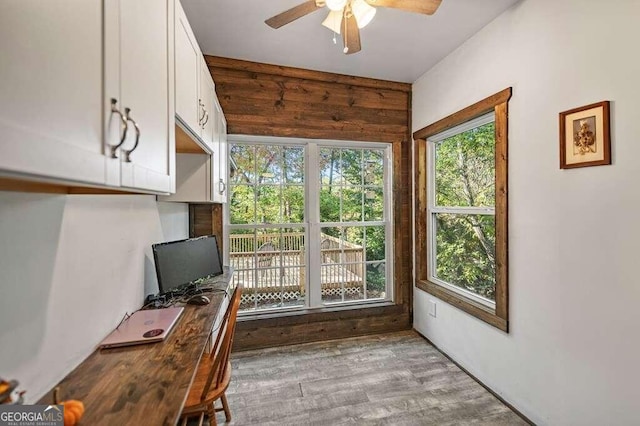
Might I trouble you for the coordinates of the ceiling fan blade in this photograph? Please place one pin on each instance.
(292, 14)
(427, 7)
(350, 32)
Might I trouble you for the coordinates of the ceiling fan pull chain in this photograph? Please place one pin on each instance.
(345, 17)
(346, 43)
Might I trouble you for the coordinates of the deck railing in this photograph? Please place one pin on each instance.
(243, 243)
(279, 262)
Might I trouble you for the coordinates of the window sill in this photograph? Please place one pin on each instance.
(279, 313)
(469, 306)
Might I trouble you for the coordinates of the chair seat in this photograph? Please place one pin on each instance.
(193, 403)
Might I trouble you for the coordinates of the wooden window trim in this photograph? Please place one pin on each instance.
(499, 104)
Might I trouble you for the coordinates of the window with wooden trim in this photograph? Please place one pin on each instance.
(461, 201)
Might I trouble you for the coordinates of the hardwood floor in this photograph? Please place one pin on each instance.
(389, 379)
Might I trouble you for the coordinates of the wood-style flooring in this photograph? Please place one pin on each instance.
(389, 379)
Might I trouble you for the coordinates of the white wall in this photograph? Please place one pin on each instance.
(70, 267)
(571, 356)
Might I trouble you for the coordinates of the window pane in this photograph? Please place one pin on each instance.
(465, 252)
(268, 204)
(249, 292)
(330, 166)
(341, 283)
(331, 245)
(351, 160)
(465, 168)
(352, 204)
(293, 247)
(376, 280)
(329, 204)
(242, 204)
(241, 248)
(352, 244)
(293, 158)
(373, 204)
(373, 167)
(293, 204)
(268, 163)
(375, 246)
(293, 290)
(243, 156)
(268, 243)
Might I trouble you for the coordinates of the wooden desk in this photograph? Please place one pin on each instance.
(144, 384)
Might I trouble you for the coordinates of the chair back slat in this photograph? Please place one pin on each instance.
(221, 350)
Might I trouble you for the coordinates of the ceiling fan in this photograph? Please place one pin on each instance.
(347, 17)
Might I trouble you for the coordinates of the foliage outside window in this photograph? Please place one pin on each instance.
(461, 210)
(461, 192)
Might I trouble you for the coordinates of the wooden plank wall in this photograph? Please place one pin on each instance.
(206, 219)
(269, 100)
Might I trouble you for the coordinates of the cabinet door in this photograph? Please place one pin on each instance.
(51, 91)
(207, 93)
(147, 94)
(187, 57)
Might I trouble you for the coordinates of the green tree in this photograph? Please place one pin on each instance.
(465, 243)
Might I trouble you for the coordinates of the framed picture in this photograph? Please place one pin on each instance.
(585, 137)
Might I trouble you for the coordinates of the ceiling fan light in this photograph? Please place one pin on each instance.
(363, 12)
(336, 5)
(333, 21)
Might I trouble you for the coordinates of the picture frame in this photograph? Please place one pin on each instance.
(585, 138)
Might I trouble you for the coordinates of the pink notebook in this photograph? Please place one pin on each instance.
(141, 327)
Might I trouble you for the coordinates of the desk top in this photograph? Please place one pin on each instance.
(143, 384)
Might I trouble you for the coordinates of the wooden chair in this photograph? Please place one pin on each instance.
(265, 255)
(214, 371)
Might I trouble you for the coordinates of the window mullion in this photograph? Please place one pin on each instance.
(312, 186)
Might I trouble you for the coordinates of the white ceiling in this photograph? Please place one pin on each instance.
(396, 45)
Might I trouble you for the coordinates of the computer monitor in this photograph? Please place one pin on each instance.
(179, 263)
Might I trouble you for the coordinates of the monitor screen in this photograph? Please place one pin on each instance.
(181, 262)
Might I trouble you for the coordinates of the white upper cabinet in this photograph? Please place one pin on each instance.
(138, 76)
(201, 171)
(51, 91)
(195, 90)
(79, 81)
(188, 69)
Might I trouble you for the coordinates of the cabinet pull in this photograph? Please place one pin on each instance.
(223, 187)
(203, 111)
(127, 153)
(206, 118)
(123, 128)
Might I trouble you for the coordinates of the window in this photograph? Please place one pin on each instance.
(309, 223)
(461, 241)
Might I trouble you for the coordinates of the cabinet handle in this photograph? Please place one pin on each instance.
(223, 187)
(206, 118)
(203, 111)
(123, 128)
(127, 153)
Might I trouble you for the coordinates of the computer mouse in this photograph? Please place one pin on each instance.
(198, 299)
